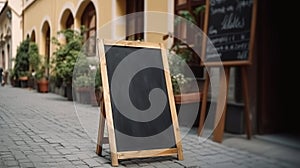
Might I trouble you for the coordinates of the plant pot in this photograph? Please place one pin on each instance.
(84, 95)
(23, 81)
(31, 82)
(69, 92)
(185, 98)
(43, 86)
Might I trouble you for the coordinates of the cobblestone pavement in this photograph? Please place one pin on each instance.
(43, 130)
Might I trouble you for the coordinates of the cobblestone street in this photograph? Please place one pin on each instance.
(44, 130)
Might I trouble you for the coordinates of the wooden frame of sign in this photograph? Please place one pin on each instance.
(233, 36)
(114, 120)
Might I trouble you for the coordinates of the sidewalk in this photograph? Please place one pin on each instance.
(43, 130)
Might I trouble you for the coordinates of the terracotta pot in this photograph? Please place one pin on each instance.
(43, 86)
(23, 78)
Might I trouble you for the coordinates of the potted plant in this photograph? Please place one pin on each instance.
(83, 88)
(34, 62)
(41, 77)
(184, 88)
(65, 56)
(21, 67)
(86, 79)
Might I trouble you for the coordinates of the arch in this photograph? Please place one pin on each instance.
(87, 15)
(3, 60)
(81, 8)
(32, 36)
(67, 11)
(46, 43)
(8, 55)
(67, 19)
(8, 32)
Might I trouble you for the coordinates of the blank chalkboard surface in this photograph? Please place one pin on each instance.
(230, 25)
(139, 103)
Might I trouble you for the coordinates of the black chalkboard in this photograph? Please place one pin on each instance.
(139, 103)
(230, 29)
(139, 89)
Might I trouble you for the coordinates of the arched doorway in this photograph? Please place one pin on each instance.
(3, 59)
(9, 56)
(46, 32)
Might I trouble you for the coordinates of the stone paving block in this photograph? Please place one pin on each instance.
(101, 159)
(71, 157)
(11, 158)
(64, 163)
(64, 151)
(27, 165)
(83, 156)
(78, 162)
(83, 166)
(91, 162)
(53, 152)
(11, 163)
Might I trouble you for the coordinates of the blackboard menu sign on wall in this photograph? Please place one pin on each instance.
(230, 25)
(139, 103)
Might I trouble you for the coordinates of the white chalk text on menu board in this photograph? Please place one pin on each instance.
(229, 29)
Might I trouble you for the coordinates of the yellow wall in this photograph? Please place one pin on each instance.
(51, 10)
(40, 11)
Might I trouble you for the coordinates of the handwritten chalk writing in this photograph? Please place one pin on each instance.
(244, 3)
(216, 2)
(232, 47)
(242, 37)
(208, 56)
(241, 46)
(214, 11)
(212, 30)
(229, 8)
(232, 22)
(242, 55)
(219, 40)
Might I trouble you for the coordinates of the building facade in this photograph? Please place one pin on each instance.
(41, 25)
(11, 31)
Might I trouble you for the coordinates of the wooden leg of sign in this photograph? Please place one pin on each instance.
(203, 103)
(246, 101)
(221, 106)
(100, 139)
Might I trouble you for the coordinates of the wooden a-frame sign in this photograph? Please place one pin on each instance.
(128, 138)
(230, 26)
